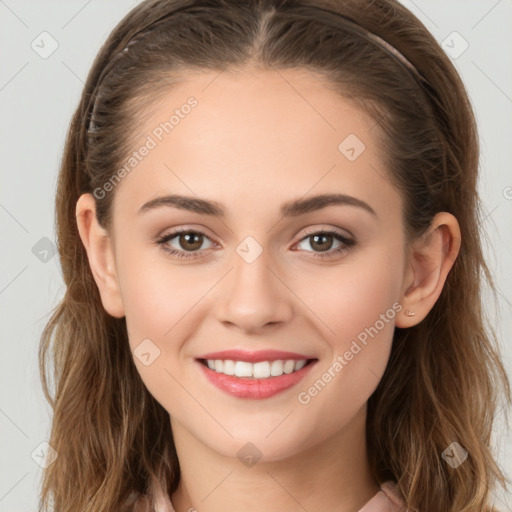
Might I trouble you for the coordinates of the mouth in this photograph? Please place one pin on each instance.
(256, 379)
(259, 370)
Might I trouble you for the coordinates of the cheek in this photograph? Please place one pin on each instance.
(156, 292)
(352, 296)
(357, 307)
(161, 308)
(156, 295)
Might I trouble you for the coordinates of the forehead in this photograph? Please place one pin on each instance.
(258, 132)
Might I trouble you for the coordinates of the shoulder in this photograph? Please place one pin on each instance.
(389, 499)
(386, 500)
(390, 489)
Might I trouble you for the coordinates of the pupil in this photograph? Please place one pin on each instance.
(189, 239)
(322, 246)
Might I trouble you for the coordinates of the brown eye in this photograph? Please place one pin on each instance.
(184, 243)
(190, 241)
(321, 242)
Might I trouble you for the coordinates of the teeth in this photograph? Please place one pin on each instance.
(260, 370)
(242, 369)
(288, 366)
(229, 368)
(299, 365)
(276, 368)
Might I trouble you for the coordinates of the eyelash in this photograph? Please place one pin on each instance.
(162, 242)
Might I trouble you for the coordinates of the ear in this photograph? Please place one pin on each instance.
(431, 257)
(99, 247)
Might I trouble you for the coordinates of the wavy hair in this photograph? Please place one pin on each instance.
(444, 379)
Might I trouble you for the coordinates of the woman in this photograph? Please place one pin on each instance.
(268, 226)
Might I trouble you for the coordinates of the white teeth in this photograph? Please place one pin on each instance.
(243, 369)
(289, 366)
(276, 368)
(299, 365)
(229, 367)
(260, 370)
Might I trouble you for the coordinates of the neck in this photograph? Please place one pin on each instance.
(334, 475)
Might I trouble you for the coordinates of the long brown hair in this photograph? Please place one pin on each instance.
(444, 378)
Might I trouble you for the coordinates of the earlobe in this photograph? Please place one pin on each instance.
(98, 245)
(431, 259)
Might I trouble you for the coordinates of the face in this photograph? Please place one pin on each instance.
(266, 281)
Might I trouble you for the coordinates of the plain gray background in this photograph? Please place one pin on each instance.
(38, 94)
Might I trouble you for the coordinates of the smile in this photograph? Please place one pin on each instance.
(254, 375)
(260, 370)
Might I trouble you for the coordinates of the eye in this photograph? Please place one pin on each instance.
(190, 240)
(323, 242)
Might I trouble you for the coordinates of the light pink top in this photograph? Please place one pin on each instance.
(386, 500)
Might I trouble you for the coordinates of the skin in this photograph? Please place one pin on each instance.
(252, 143)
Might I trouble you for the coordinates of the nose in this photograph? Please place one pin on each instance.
(254, 296)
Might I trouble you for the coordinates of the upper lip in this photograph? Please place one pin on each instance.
(254, 356)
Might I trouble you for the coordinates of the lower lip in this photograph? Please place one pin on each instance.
(243, 387)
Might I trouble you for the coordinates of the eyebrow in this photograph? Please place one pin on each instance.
(288, 209)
